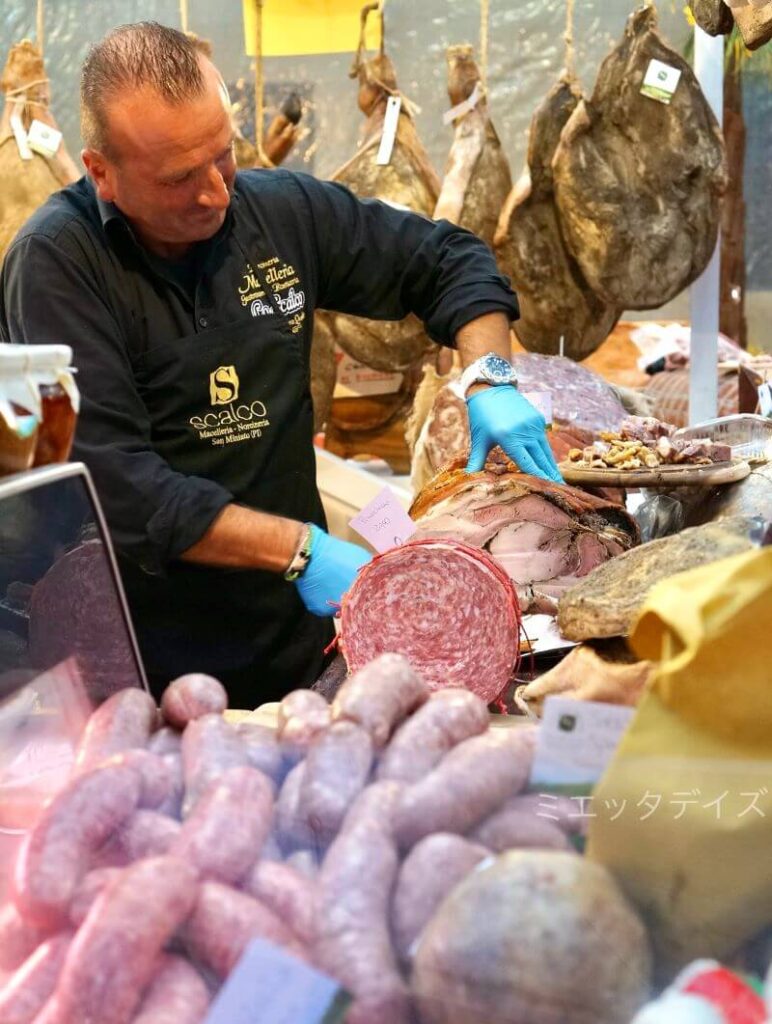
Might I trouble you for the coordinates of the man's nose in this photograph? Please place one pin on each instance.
(214, 193)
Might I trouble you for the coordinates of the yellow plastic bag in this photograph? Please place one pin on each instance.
(683, 816)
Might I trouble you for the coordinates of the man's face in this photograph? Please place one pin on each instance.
(171, 168)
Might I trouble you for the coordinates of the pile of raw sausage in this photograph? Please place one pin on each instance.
(180, 838)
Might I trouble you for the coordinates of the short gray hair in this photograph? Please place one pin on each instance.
(129, 57)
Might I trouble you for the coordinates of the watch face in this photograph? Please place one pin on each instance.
(497, 370)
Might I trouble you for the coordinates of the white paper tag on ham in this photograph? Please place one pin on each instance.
(463, 107)
(19, 131)
(384, 523)
(390, 123)
(577, 740)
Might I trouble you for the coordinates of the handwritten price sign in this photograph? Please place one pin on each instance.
(384, 522)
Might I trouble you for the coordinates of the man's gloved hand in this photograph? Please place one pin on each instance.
(501, 416)
(330, 572)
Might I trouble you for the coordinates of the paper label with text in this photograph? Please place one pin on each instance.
(577, 740)
(384, 523)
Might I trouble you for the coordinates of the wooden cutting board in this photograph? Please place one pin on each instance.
(663, 477)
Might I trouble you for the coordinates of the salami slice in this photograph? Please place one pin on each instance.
(450, 609)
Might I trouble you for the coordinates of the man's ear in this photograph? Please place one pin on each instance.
(101, 172)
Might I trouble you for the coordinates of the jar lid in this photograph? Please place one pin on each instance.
(48, 357)
(13, 359)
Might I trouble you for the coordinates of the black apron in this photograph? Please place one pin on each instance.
(233, 405)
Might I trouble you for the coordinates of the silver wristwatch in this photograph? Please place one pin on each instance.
(490, 369)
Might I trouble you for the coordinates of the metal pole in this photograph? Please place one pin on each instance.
(705, 296)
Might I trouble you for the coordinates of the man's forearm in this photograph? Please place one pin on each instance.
(489, 333)
(242, 538)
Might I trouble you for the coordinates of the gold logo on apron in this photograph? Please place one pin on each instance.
(223, 385)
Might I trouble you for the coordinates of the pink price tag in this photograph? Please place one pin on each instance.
(384, 522)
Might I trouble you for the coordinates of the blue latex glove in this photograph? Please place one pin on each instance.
(331, 571)
(501, 416)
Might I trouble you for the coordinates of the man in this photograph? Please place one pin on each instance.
(187, 293)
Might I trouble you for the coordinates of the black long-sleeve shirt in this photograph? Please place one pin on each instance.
(75, 274)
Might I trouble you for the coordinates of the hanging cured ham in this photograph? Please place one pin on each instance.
(555, 299)
(373, 423)
(25, 184)
(639, 182)
(407, 180)
(477, 178)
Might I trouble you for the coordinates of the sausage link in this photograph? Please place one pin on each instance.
(225, 921)
(264, 751)
(156, 776)
(285, 891)
(172, 805)
(114, 955)
(471, 782)
(90, 888)
(292, 831)
(18, 938)
(125, 720)
(210, 746)
(430, 871)
(165, 741)
(304, 862)
(380, 696)
(56, 854)
(191, 697)
(448, 718)
(303, 714)
(225, 831)
(355, 883)
(177, 995)
(29, 989)
(336, 770)
(513, 830)
(148, 834)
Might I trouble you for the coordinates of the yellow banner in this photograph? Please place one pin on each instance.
(296, 27)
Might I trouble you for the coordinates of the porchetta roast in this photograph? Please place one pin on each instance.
(27, 181)
(546, 536)
(639, 182)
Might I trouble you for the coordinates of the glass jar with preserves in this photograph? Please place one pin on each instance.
(51, 371)
(19, 403)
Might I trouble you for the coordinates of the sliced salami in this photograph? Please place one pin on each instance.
(450, 609)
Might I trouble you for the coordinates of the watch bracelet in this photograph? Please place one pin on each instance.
(302, 555)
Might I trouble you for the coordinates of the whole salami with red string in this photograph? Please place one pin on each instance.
(449, 608)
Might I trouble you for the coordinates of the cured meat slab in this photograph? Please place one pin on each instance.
(449, 608)
(544, 535)
(607, 602)
(555, 299)
(638, 182)
(477, 177)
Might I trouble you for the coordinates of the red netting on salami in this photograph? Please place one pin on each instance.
(449, 608)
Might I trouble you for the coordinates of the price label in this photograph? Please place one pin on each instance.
(384, 522)
(661, 81)
(390, 123)
(577, 740)
(268, 986)
(44, 139)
